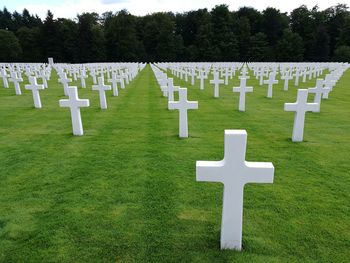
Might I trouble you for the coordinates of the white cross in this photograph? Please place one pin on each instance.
(3, 75)
(34, 87)
(122, 83)
(271, 81)
(82, 77)
(16, 81)
(126, 77)
(234, 172)
(329, 84)
(262, 74)
(319, 92)
(244, 72)
(74, 103)
(171, 89)
(242, 89)
(297, 75)
(201, 76)
(216, 81)
(65, 82)
(186, 74)
(193, 74)
(74, 73)
(286, 77)
(304, 75)
(114, 80)
(301, 106)
(183, 105)
(42, 75)
(93, 75)
(101, 88)
(163, 83)
(226, 74)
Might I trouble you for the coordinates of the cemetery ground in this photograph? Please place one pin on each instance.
(126, 191)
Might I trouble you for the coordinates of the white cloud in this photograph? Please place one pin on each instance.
(70, 9)
(107, 2)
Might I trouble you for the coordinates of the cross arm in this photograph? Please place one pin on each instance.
(236, 89)
(259, 172)
(290, 106)
(84, 103)
(172, 105)
(193, 105)
(313, 107)
(209, 171)
(64, 103)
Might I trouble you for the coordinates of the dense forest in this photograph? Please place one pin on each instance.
(203, 35)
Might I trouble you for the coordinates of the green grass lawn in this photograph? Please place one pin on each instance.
(126, 191)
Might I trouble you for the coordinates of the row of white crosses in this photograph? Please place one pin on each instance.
(123, 72)
(216, 81)
(74, 103)
(221, 72)
(189, 72)
(233, 171)
(182, 105)
(301, 106)
(321, 90)
(227, 71)
(287, 72)
(31, 71)
(43, 71)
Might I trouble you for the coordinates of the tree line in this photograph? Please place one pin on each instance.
(202, 35)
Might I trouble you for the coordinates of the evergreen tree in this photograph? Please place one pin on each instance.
(6, 20)
(203, 46)
(335, 18)
(50, 38)
(29, 40)
(302, 22)
(98, 44)
(290, 47)
(160, 40)
(274, 24)
(225, 44)
(121, 38)
(244, 38)
(344, 37)
(254, 16)
(91, 41)
(320, 49)
(259, 48)
(342, 54)
(10, 49)
(201, 35)
(68, 30)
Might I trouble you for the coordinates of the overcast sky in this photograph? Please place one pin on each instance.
(70, 8)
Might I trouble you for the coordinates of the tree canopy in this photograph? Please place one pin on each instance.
(201, 35)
